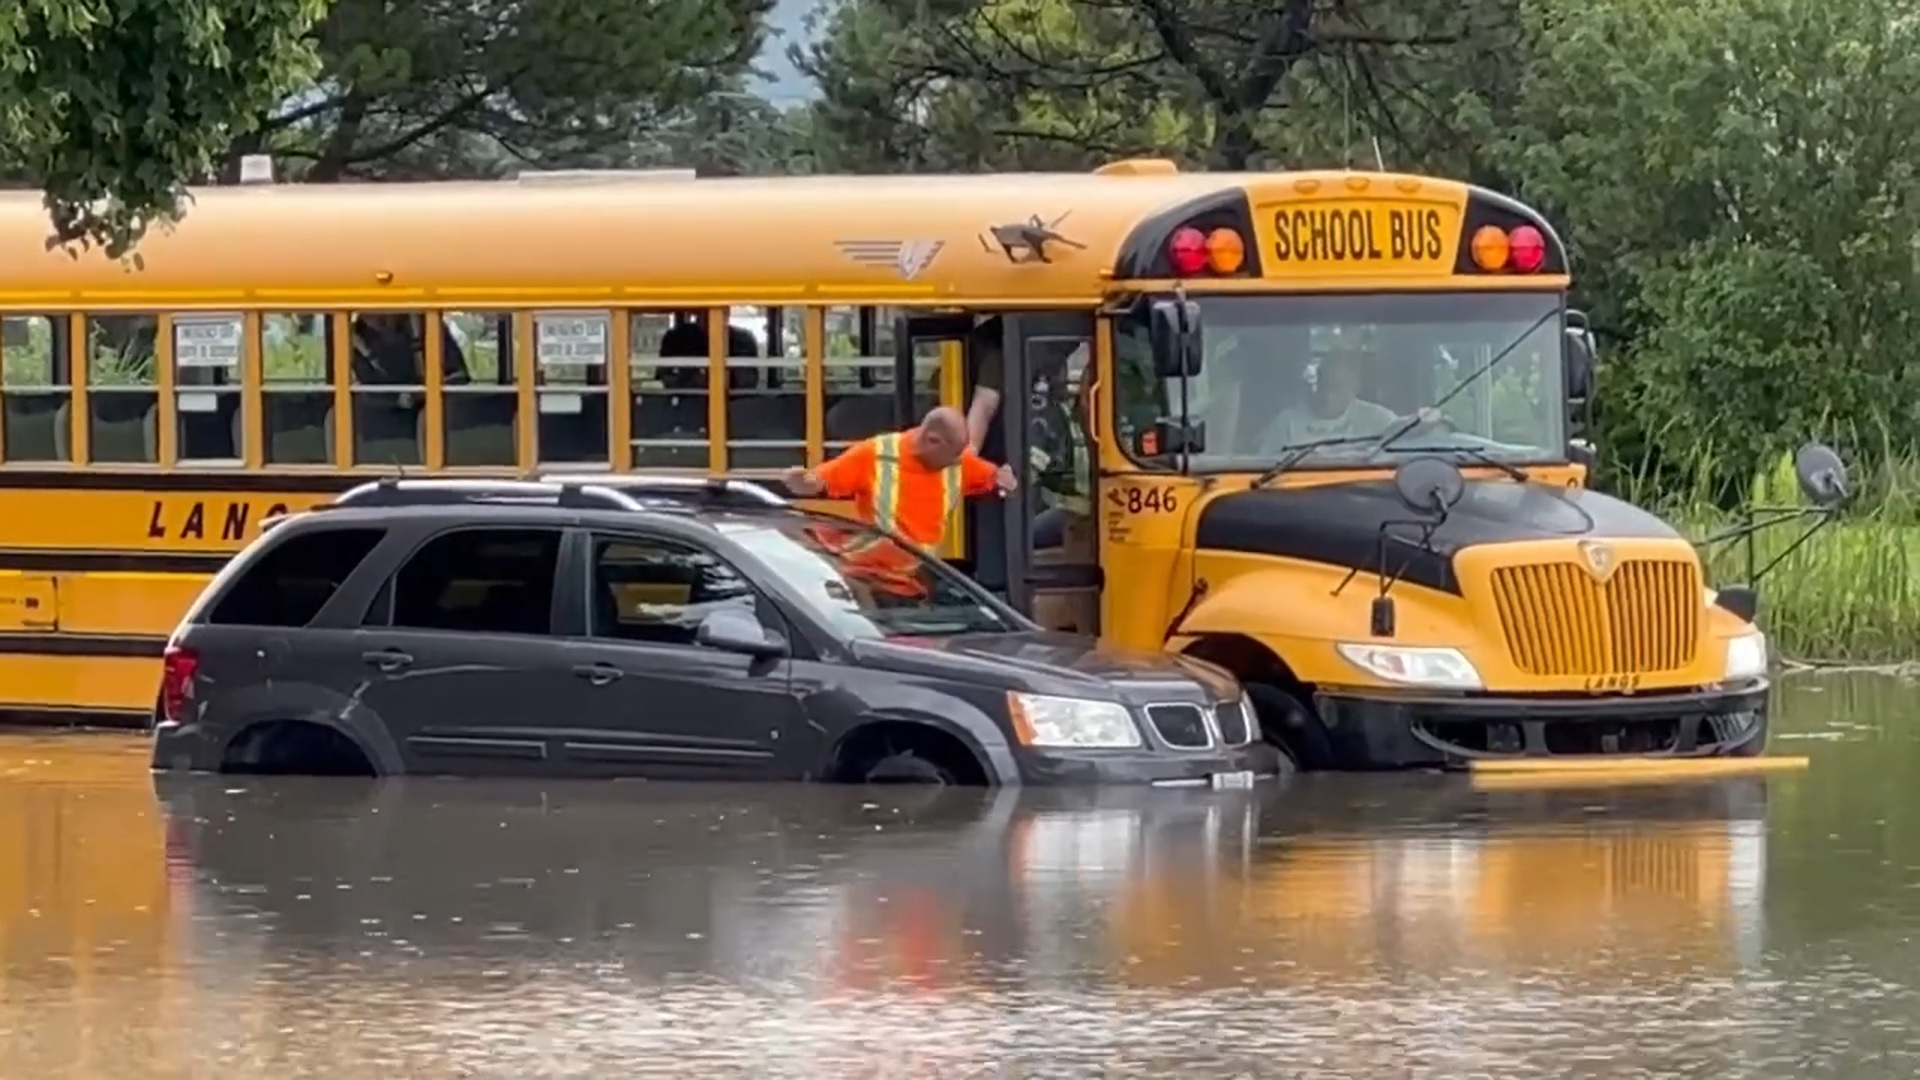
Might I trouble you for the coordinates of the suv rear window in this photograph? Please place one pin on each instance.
(289, 584)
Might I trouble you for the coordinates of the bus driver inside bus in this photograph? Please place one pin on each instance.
(1335, 409)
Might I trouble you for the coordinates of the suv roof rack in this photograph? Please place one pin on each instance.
(395, 491)
(706, 491)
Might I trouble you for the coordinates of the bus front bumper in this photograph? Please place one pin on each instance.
(1374, 729)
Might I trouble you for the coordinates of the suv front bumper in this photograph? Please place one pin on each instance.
(1146, 765)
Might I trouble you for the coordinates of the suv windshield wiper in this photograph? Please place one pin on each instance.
(1300, 453)
(1467, 380)
(1480, 456)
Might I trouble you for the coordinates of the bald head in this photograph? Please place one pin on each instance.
(941, 438)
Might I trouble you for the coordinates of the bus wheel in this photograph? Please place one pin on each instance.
(1291, 724)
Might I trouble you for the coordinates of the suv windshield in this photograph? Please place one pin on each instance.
(1283, 372)
(866, 585)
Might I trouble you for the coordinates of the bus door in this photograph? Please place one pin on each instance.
(1041, 363)
(1046, 395)
(1038, 549)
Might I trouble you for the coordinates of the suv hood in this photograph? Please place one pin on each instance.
(1043, 662)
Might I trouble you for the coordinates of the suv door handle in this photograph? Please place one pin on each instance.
(388, 660)
(597, 674)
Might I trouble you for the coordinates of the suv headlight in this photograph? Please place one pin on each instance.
(1747, 655)
(1041, 720)
(1411, 665)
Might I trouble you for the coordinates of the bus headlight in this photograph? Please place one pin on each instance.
(1072, 723)
(1747, 655)
(1411, 665)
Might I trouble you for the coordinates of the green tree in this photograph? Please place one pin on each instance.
(113, 106)
(1063, 83)
(1740, 174)
(479, 87)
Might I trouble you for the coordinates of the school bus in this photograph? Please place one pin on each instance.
(1179, 346)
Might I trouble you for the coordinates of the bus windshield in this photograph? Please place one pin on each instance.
(1478, 374)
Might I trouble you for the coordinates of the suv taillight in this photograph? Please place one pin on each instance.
(178, 666)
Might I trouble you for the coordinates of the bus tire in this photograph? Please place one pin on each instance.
(1289, 723)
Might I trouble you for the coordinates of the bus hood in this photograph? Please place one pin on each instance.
(1339, 524)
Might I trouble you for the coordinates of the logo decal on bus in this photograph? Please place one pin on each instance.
(1599, 559)
(908, 258)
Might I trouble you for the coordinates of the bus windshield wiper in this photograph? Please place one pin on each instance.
(1300, 453)
(1481, 457)
(1466, 380)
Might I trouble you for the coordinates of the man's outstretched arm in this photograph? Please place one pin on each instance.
(978, 476)
(842, 477)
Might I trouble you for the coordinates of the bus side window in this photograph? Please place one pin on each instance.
(571, 361)
(207, 352)
(389, 384)
(123, 396)
(35, 389)
(296, 353)
(859, 374)
(767, 416)
(668, 358)
(481, 412)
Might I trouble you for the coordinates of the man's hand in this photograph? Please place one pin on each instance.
(802, 482)
(1005, 482)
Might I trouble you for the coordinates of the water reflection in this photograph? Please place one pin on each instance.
(344, 929)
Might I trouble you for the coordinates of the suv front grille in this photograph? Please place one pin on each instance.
(1231, 720)
(1181, 726)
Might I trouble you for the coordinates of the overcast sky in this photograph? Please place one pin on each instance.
(788, 27)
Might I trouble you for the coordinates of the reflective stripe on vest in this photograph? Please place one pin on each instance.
(887, 486)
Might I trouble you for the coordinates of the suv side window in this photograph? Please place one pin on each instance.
(481, 581)
(294, 579)
(659, 592)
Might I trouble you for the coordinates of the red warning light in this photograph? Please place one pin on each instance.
(1187, 251)
(1526, 248)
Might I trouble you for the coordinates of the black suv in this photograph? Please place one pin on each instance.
(638, 627)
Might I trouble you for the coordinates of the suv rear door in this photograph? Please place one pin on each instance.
(257, 647)
(651, 701)
(458, 656)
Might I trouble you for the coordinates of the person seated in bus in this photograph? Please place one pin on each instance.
(1335, 409)
(687, 340)
(389, 350)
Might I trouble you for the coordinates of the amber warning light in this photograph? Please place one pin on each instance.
(1193, 252)
(1522, 250)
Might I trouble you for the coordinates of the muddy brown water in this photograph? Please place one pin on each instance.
(1342, 927)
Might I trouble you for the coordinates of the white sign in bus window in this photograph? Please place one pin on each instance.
(201, 341)
(571, 337)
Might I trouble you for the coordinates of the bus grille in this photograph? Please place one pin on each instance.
(1560, 621)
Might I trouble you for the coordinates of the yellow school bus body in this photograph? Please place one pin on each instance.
(99, 558)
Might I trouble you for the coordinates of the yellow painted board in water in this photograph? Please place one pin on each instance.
(1536, 771)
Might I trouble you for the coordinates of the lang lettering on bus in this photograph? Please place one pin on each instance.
(229, 521)
(1359, 235)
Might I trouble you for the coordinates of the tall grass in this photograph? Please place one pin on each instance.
(1850, 593)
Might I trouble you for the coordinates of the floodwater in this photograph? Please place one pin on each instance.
(1341, 927)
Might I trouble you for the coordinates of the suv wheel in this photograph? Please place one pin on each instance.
(909, 767)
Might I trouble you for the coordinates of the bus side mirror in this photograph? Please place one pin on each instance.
(1174, 327)
(1168, 435)
(1580, 361)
